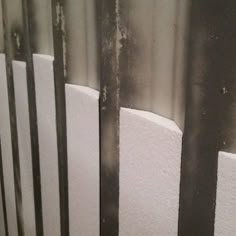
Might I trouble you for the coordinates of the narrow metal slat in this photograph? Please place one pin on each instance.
(13, 48)
(29, 47)
(109, 118)
(211, 58)
(60, 68)
(228, 87)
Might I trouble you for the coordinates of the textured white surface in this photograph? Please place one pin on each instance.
(2, 226)
(225, 218)
(6, 144)
(83, 159)
(46, 114)
(150, 158)
(24, 145)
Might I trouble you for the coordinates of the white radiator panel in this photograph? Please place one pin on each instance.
(6, 144)
(24, 145)
(150, 159)
(225, 221)
(83, 159)
(46, 115)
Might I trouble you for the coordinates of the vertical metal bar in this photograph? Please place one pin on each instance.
(3, 193)
(29, 47)
(211, 58)
(109, 118)
(228, 88)
(14, 49)
(59, 43)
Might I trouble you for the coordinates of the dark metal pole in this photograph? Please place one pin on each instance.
(109, 118)
(29, 48)
(14, 49)
(211, 60)
(58, 19)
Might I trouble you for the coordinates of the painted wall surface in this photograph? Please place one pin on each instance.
(6, 145)
(24, 145)
(225, 221)
(83, 159)
(150, 156)
(46, 114)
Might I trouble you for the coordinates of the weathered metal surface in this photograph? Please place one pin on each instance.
(60, 73)
(143, 45)
(151, 61)
(109, 117)
(228, 73)
(14, 49)
(211, 60)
